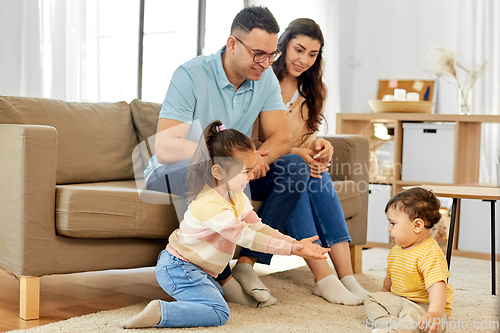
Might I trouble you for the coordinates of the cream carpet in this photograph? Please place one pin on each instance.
(298, 310)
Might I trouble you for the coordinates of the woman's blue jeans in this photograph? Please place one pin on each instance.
(280, 191)
(318, 212)
(199, 299)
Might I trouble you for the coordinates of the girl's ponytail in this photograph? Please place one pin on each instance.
(215, 142)
(210, 131)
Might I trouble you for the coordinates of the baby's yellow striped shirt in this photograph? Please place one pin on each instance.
(414, 270)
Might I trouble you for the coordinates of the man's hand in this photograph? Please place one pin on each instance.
(317, 168)
(306, 249)
(261, 168)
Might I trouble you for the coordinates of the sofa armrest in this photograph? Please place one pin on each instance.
(350, 162)
(28, 156)
(350, 158)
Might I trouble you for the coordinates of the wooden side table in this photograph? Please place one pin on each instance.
(468, 192)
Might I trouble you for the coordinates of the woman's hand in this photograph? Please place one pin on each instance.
(317, 167)
(323, 150)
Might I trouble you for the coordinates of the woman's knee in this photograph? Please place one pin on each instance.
(322, 185)
(293, 167)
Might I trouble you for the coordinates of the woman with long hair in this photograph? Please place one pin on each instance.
(299, 71)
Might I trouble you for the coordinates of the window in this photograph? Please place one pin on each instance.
(118, 33)
(170, 39)
(219, 16)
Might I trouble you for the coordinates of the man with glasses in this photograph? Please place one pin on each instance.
(236, 86)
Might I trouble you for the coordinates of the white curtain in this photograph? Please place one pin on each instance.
(479, 40)
(49, 48)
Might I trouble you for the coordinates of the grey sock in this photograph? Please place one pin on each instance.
(250, 282)
(234, 293)
(150, 316)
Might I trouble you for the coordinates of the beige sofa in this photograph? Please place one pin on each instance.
(69, 201)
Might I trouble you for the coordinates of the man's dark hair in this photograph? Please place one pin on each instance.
(253, 17)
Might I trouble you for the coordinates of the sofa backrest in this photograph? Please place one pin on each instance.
(95, 140)
(145, 119)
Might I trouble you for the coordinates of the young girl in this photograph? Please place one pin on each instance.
(299, 71)
(219, 218)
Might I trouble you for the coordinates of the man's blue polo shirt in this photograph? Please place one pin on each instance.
(199, 93)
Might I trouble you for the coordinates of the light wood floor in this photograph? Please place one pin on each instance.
(72, 295)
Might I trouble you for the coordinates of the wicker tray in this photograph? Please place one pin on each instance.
(379, 106)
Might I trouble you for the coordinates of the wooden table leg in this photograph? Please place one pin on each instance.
(356, 258)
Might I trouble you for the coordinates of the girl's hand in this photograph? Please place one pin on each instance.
(323, 150)
(306, 249)
(317, 168)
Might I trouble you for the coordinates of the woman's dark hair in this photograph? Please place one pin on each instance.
(417, 202)
(216, 146)
(311, 81)
(253, 17)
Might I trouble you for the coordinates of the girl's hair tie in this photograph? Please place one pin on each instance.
(221, 128)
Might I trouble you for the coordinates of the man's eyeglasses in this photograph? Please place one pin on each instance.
(261, 56)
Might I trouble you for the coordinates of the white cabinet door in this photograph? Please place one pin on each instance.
(378, 197)
(474, 233)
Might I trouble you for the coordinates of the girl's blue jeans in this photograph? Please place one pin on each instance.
(199, 298)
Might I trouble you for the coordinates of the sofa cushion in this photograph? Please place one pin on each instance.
(95, 140)
(115, 210)
(112, 210)
(145, 118)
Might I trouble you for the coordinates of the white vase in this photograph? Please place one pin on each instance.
(465, 101)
